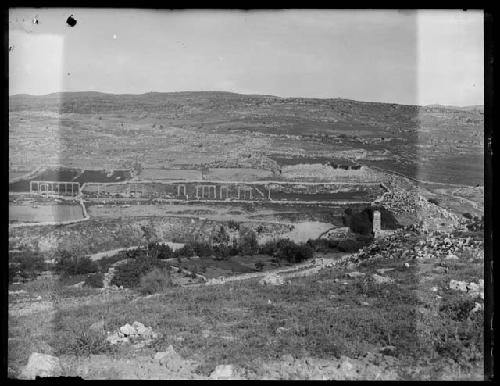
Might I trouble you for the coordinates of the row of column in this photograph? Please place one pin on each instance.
(55, 187)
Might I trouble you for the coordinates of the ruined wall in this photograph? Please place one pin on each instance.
(328, 172)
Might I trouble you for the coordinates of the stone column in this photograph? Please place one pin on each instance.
(376, 223)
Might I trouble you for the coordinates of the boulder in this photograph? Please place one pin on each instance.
(42, 365)
(458, 285)
(115, 338)
(127, 330)
(170, 359)
(225, 372)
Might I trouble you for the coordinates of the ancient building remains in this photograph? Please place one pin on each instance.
(376, 223)
(55, 187)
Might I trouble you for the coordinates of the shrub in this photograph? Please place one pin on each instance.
(269, 248)
(221, 236)
(186, 251)
(160, 251)
(292, 252)
(322, 244)
(350, 245)
(88, 342)
(259, 266)
(202, 249)
(155, 281)
(95, 280)
(467, 215)
(69, 264)
(129, 274)
(222, 251)
(27, 265)
(248, 244)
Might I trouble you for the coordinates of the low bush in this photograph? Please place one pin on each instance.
(350, 245)
(202, 248)
(95, 280)
(186, 251)
(269, 248)
(87, 342)
(160, 251)
(293, 253)
(322, 245)
(155, 281)
(129, 274)
(69, 264)
(222, 251)
(247, 242)
(26, 265)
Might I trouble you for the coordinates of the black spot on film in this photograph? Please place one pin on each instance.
(71, 21)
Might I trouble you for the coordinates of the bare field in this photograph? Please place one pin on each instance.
(44, 213)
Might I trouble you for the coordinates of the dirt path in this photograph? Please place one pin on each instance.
(298, 270)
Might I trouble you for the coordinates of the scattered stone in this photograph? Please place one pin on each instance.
(458, 285)
(272, 279)
(472, 289)
(225, 372)
(451, 256)
(382, 279)
(406, 265)
(384, 270)
(77, 285)
(170, 359)
(41, 365)
(355, 274)
(281, 330)
(127, 330)
(115, 338)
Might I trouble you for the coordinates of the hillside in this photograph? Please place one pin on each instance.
(226, 129)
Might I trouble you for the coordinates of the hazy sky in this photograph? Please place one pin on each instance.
(422, 57)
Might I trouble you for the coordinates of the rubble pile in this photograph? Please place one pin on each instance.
(411, 243)
(137, 332)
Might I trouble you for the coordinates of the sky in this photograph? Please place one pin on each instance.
(407, 57)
